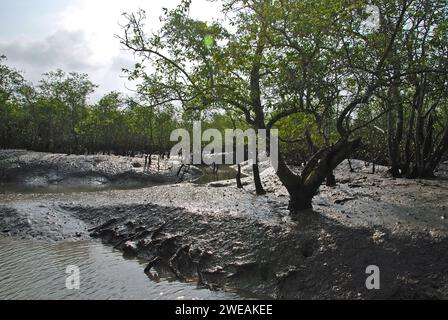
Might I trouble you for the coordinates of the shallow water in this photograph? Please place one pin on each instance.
(224, 173)
(95, 184)
(14, 188)
(36, 270)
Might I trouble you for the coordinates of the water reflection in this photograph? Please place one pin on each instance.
(224, 173)
(36, 270)
(13, 188)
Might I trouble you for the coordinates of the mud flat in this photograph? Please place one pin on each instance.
(24, 170)
(229, 239)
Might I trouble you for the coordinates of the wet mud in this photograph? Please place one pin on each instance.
(226, 238)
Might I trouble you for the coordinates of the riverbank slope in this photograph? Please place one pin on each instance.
(227, 238)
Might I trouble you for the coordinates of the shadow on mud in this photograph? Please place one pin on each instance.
(304, 258)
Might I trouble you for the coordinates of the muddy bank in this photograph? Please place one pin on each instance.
(313, 258)
(225, 238)
(316, 258)
(21, 169)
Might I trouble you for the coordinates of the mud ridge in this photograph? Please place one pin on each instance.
(313, 258)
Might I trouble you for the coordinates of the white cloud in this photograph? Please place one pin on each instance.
(100, 20)
(62, 49)
(85, 40)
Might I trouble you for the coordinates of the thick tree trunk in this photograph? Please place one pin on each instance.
(440, 150)
(257, 106)
(258, 185)
(395, 171)
(331, 180)
(309, 141)
(303, 188)
(300, 200)
(395, 126)
(406, 168)
(392, 143)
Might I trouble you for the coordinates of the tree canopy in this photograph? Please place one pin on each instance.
(313, 68)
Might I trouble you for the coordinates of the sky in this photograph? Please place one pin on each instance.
(38, 36)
